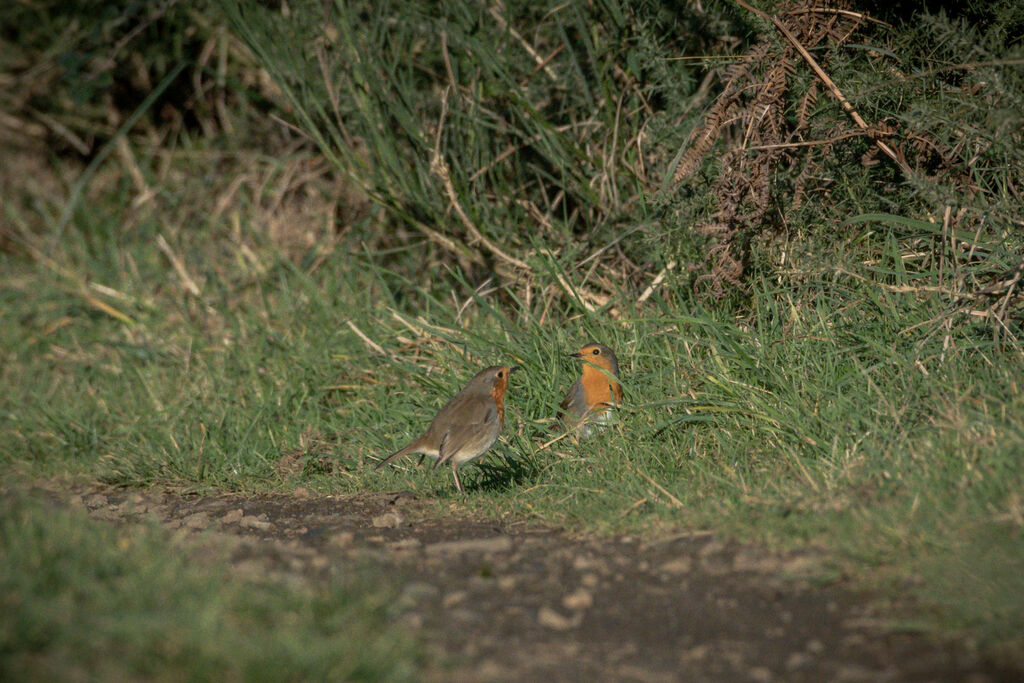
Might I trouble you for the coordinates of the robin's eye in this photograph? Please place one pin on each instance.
(500, 374)
(596, 352)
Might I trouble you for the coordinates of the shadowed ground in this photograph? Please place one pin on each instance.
(494, 601)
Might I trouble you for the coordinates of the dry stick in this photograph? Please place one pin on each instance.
(1009, 295)
(657, 281)
(40, 257)
(552, 441)
(908, 289)
(145, 192)
(178, 265)
(998, 287)
(332, 95)
(579, 293)
(106, 308)
(632, 507)
(610, 245)
(843, 12)
(541, 62)
(509, 151)
(810, 143)
(439, 167)
(838, 94)
(675, 501)
(833, 88)
(447, 61)
(423, 332)
(947, 212)
(448, 243)
(366, 340)
(68, 135)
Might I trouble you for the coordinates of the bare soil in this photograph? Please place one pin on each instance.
(496, 601)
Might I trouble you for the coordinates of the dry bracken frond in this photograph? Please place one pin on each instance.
(751, 112)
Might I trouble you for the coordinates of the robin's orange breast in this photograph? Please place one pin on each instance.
(599, 389)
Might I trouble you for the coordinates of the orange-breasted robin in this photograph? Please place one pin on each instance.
(590, 400)
(466, 426)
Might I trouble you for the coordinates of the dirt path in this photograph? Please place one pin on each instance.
(521, 603)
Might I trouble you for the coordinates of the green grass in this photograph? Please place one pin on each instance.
(820, 417)
(847, 399)
(85, 600)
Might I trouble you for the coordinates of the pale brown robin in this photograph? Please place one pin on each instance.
(588, 405)
(466, 426)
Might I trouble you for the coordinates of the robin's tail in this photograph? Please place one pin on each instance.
(408, 450)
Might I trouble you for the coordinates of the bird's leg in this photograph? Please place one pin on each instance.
(458, 484)
(420, 463)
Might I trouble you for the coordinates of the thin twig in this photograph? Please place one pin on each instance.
(675, 501)
(552, 441)
(947, 234)
(907, 289)
(69, 136)
(844, 12)
(447, 60)
(366, 340)
(579, 294)
(332, 95)
(541, 63)
(145, 192)
(1009, 283)
(107, 308)
(1009, 292)
(178, 265)
(632, 507)
(810, 143)
(659, 278)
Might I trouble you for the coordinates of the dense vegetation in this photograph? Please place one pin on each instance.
(239, 232)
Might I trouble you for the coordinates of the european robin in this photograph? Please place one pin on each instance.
(590, 400)
(466, 426)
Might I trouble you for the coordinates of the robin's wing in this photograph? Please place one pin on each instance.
(473, 431)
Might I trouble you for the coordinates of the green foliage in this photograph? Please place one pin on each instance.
(84, 600)
(858, 390)
(525, 126)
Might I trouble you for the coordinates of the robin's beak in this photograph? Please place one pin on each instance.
(513, 369)
(576, 355)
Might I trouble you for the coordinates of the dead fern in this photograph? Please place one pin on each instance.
(751, 112)
(774, 143)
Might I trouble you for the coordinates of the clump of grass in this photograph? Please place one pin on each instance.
(83, 599)
(973, 581)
